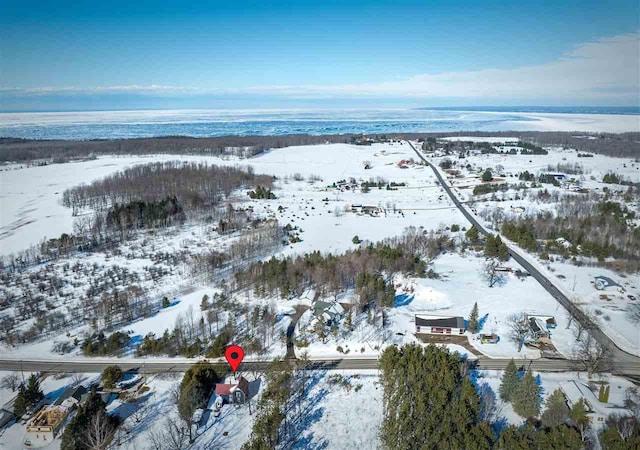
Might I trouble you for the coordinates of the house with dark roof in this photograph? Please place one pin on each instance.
(538, 328)
(233, 393)
(426, 324)
(71, 397)
(329, 313)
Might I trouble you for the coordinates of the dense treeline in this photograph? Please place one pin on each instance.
(431, 403)
(192, 185)
(610, 144)
(145, 214)
(428, 401)
(24, 150)
(98, 344)
(361, 269)
(599, 235)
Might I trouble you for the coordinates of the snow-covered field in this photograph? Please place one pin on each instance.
(339, 416)
(31, 197)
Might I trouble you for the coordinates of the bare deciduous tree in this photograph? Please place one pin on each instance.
(172, 436)
(592, 356)
(100, 431)
(632, 400)
(10, 381)
(624, 425)
(491, 273)
(77, 378)
(518, 328)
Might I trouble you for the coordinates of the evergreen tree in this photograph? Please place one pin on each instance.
(518, 438)
(204, 304)
(472, 323)
(33, 393)
(525, 399)
(320, 330)
(473, 235)
(601, 393)
(556, 411)
(76, 434)
(510, 381)
(20, 403)
(502, 249)
(490, 248)
(487, 175)
(559, 438)
(579, 419)
(110, 376)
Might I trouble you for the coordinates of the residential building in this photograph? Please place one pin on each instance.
(439, 324)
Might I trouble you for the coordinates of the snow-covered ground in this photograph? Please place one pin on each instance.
(461, 284)
(609, 305)
(577, 282)
(341, 412)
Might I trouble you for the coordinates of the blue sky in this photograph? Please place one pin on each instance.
(165, 54)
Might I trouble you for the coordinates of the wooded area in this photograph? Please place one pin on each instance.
(51, 151)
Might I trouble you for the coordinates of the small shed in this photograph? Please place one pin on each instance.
(489, 338)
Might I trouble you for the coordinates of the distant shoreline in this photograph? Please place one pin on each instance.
(615, 110)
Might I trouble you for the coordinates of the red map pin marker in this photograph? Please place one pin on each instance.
(234, 355)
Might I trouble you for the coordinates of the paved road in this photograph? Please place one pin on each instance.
(619, 356)
(182, 364)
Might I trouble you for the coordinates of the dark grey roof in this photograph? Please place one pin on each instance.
(79, 392)
(534, 326)
(445, 322)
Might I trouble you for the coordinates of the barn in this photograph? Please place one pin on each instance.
(439, 324)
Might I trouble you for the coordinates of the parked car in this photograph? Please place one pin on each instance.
(197, 416)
